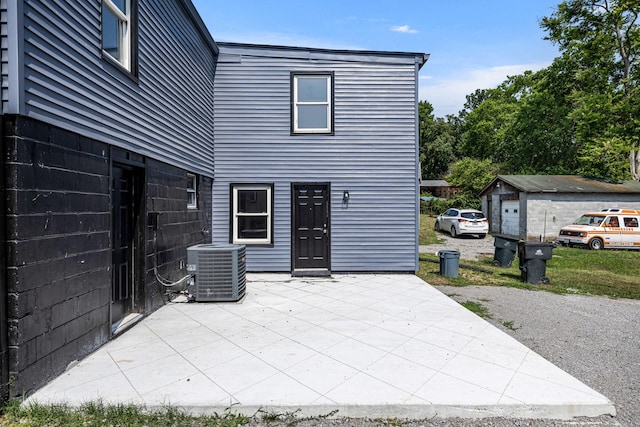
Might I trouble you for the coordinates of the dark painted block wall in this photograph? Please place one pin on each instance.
(58, 244)
(178, 227)
(4, 318)
(57, 249)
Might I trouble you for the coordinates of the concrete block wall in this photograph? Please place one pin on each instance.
(58, 245)
(562, 210)
(57, 249)
(178, 226)
(4, 318)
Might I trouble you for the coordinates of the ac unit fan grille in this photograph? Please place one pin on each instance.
(220, 272)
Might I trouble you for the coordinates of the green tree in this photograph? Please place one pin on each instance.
(437, 141)
(487, 115)
(523, 124)
(605, 158)
(455, 124)
(540, 138)
(602, 38)
(472, 175)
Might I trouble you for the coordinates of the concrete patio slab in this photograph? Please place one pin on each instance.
(365, 345)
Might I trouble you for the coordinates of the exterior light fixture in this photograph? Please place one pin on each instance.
(345, 196)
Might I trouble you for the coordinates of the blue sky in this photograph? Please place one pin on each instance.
(474, 44)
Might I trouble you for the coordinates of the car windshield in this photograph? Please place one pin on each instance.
(589, 220)
(472, 215)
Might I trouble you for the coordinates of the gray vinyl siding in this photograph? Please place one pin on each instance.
(166, 113)
(4, 82)
(373, 153)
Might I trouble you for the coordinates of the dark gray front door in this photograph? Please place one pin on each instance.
(125, 194)
(310, 229)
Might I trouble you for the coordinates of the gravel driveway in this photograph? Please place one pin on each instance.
(470, 247)
(595, 339)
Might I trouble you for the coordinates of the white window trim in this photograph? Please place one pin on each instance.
(192, 188)
(296, 103)
(125, 22)
(236, 215)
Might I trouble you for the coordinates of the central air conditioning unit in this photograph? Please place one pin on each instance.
(220, 271)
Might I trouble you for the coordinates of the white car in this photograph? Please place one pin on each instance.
(462, 222)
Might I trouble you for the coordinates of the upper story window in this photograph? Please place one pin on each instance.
(312, 103)
(192, 191)
(118, 31)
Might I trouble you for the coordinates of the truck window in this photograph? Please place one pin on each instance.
(594, 220)
(612, 221)
(630, 222)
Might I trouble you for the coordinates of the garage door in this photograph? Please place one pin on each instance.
(510, 217)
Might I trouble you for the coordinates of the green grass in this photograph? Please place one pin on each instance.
(477, 308)
(613, 273)
(510, 325)
(427, 235)
(99, 415)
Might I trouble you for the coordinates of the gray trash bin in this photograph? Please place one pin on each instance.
(506, 248)
(533, 257)
(449, 262)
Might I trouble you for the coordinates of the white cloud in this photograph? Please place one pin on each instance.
(404, 29)
(448, 95)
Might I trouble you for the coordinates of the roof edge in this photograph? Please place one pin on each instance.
(494, 180)
(563, 184)
(421, 58)
(200, 25)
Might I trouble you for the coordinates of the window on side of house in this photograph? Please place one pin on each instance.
(312, 103)
(192, 191)
(251, 214)
(118, 31)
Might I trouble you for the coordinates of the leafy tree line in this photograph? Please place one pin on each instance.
(580, 115)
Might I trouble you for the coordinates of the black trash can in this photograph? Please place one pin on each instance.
(533, 257)
(449, 262)
(505, 252)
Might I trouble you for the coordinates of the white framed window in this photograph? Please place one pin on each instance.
(312, 103)
(192, 191)
(252, 213)
(117, 31)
